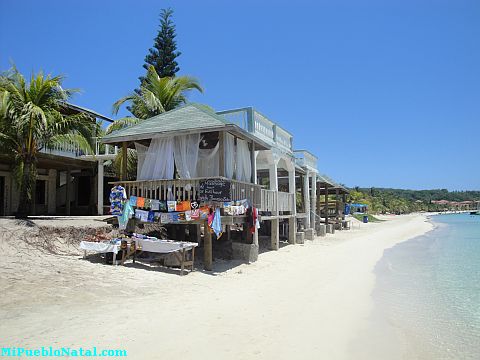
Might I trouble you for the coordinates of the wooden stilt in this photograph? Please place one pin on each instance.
(207, 248)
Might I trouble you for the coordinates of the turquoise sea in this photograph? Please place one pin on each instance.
(428, 291)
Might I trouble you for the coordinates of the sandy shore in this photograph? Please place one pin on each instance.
(302, 302)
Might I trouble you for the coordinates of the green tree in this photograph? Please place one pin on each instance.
(164, 52)
(155, 96)
(31, 119)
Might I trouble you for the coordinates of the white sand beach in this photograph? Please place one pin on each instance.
(301, 302)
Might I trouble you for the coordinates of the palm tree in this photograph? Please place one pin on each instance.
(31, 119)
(155, 96)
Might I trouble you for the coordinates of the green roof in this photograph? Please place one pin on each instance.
(190, 117)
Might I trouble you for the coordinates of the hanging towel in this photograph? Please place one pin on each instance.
(133, 200)
(217, 223)
(140, 202)
(127, 214)
(155, 205)
(147, 204)
(171, 205)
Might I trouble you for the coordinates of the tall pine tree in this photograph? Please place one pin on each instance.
(164, 52)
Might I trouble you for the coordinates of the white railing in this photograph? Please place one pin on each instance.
(187, 189)
(306, 159)
(263, 128)
(259, 125)
(277, 201)
(73, 150)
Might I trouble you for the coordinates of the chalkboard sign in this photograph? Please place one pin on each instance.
(215, 190)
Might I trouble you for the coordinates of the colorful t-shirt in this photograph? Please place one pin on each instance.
(117, 198)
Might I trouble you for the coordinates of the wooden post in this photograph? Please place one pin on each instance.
(292, 222)
(67, 192)
(273, 178)
(326, 205)
(221, 153)
(306, 200)
(100, 188)
(253, 160)
(313, 202)
(207, 248)
(337, 204)
(124, 161)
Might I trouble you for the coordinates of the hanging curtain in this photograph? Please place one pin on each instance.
(208, 162)
(229, 145)
(141, 152)
(244, 166)
(185, 153)
(158, 163)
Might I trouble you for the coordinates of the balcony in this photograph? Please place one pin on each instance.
(72, 150)
(306, 159)
(262, 127)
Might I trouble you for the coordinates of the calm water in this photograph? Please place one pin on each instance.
(428, 290)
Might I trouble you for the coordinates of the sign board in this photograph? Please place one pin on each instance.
(215, 190)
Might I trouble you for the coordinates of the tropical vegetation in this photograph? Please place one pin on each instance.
(32, 118)
(400, 201)
(164, 51)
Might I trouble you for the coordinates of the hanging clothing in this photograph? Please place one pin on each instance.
(117, 199)
(140, 202)
(133, 200)
(127, 214)
(155, 205)
(217, 223)
(141, 215)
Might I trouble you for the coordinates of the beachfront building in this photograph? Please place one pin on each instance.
(69, 181)
(194, 155)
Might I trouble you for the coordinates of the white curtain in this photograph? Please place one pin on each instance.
(244, 165)
(185, 153)
(141, 152)
(158, 163)
(208, 162)
(229, 146)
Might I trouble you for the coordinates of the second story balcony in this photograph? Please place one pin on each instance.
(260, 126)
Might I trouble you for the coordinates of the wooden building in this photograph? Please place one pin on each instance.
(180, 150)
(69, 181)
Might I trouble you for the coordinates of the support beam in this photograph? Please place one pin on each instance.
(273, 179)
(326, 205)
(292, 222)
(337, 204)
(207, 248)
(67, 192)
(253, 159)
(100, 188)
(306, 198)
(124, 161)
(313, 202)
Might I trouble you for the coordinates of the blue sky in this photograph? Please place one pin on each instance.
(386, 93)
